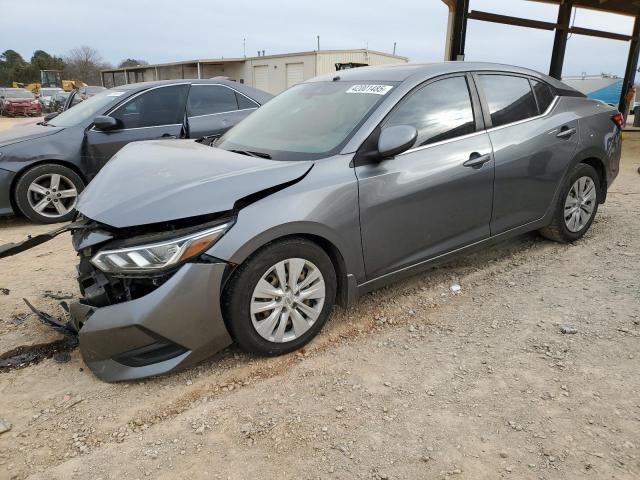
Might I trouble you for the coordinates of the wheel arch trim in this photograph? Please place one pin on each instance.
(592, 157)
(313, 232)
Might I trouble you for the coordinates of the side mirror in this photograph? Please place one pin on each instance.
(50, 116)
(105, 123)
(396, 139)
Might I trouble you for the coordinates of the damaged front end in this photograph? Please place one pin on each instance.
(137, 319)
(151, 295)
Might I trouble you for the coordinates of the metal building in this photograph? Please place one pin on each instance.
(601, 87)
(271, 73)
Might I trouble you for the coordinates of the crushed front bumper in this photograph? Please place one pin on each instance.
(176, 325)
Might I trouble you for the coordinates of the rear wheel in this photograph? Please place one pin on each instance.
(577, 205)
(48, 193)
(280, 298)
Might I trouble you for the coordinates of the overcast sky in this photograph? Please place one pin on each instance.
(168, 30)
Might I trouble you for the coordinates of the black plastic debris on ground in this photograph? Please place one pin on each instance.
(26, 355)
(65, 328)
(4, 291)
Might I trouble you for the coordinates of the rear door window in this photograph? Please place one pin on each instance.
(439, 111)
(154, 108)
(211, 99)
(543, 95)
(510, 99)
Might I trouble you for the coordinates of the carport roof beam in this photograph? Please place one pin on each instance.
(459, 13)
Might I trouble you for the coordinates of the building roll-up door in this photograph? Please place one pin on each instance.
(261, 77)
(295, 73)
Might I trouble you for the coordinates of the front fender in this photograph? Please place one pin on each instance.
(323, 204)
(62, 147)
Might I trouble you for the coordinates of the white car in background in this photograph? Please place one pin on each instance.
(46, 95)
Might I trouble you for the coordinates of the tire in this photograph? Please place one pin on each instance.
(566, 230)
(239, 296)
(40, 201)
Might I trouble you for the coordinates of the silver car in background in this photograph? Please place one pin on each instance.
(339, 185)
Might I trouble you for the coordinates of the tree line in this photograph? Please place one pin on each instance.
(81, 63)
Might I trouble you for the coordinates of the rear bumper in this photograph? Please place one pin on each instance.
(6, 178)
(177, 325)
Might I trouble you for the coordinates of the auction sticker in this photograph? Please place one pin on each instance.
(374, 89)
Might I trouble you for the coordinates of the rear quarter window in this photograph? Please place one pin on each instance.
(543, 94)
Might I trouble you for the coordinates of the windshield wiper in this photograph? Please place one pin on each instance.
(252, 154)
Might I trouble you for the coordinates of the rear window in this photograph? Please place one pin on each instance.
(510, 98)
(543, 95)
(18, 94)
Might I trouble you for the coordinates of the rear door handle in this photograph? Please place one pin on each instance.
(476, 160)
(566, 132)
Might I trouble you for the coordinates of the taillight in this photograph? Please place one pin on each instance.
(618, 119)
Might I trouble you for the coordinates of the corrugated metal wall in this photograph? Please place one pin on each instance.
(273, 74)
(326, 61)
(275, 70)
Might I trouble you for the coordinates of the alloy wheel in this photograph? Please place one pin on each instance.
(52, 195)
(287, 300)
(580, 204)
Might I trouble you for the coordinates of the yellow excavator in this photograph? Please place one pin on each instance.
(50, 79)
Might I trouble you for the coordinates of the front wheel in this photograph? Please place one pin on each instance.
(280, 298)
(577, 205)
(48, 193)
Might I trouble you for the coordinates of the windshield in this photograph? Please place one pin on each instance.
(92, 90)
(48, 92)
(306, 122)
(90, 108)
(18, 94)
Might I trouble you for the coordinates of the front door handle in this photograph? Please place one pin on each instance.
(168, 135)
(566, 132)
(476, 160)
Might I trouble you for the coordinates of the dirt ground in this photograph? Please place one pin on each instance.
(413, 382)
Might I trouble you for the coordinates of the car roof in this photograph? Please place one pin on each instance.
(403, 71)
(258, 95)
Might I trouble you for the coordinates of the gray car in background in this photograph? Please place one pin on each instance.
(44, 167)
(339, 185)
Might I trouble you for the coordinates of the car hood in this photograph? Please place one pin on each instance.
(27, 132)
(166, 180)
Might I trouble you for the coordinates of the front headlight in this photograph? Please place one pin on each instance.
(157, 256)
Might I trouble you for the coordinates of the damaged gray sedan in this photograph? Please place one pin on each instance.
(340, 185)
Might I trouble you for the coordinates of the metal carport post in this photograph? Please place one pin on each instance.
(459, 14)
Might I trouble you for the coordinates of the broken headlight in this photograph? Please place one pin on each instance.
(157, 256)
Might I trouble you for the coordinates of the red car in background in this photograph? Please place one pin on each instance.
(18, 101)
